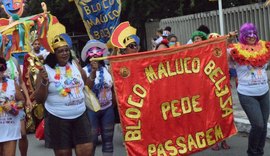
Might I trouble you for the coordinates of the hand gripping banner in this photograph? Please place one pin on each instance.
(175, 101)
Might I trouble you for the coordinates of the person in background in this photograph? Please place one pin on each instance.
(11, 100)
(158, 38)
(163, 44)
(173, 41)
(60, 87)
(202, 28)
(251, 57)
(125, 39)
(13, 72)
(33, 62)
(167, 30)
(102, 121)
(198, 36)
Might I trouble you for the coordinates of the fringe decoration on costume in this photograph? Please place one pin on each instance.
(255, 55)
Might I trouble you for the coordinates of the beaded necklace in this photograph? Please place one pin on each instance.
(97, 87)
(3, 89)
(59, 86)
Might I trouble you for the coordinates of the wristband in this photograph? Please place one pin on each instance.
(45, 84)
(13, 111)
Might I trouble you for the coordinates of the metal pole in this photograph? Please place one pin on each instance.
(221, 22)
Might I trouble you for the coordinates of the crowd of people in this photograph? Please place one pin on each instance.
(52, 83)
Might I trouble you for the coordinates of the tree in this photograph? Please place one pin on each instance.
(136, 11)
(66, 13)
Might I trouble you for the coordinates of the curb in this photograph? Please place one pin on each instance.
(243, 125)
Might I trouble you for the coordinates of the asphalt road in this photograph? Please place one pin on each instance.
(238, 145)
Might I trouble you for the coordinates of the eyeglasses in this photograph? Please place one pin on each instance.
(62, 51)
(132, 46)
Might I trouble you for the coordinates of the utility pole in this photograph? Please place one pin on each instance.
(221, 21)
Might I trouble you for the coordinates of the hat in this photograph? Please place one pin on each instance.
(136, 39)
(213, 35)
(165, 33)
(58, 41)
(198, 33)
(92, 44)
(121, 36)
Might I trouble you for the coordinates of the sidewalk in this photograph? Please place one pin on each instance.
(240, 118)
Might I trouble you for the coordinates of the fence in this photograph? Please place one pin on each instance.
(234, 17)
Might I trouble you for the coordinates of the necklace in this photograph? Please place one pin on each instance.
(3, 89)
(4, 85)
(255, 55)
(59, 86)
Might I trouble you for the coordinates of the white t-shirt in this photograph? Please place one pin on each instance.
(157, 41)
(105, 94)
(10, 127)
(252, 81)
(72, 105)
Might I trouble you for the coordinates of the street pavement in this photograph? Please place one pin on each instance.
(238, 145)
(238, 142)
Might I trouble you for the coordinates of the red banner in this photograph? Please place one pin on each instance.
(176, 101)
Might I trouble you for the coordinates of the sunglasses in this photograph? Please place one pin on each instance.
(132, 46)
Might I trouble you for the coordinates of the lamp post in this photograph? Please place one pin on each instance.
(221, 22)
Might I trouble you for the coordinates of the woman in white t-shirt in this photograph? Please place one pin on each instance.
(102, 121)
(11, 100)
(60, 87)
(251, 56)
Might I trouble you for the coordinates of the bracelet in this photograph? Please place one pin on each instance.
(44, 83)
(91, 79)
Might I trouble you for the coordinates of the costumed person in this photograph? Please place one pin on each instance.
(102, 121)
(13, 72)
(202, 28)
(33, 62)
(14, 10)
(198, 36)
(124, 37)
(11, 100)
(251, 56)
(60, 87)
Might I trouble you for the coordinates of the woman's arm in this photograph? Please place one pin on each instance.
(22, 84)
(42, 84)
(90, 81)
(18, 95)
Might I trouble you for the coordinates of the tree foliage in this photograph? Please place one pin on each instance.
(136, 11)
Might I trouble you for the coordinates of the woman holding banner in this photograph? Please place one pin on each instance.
(102, 121)
(251, 56)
